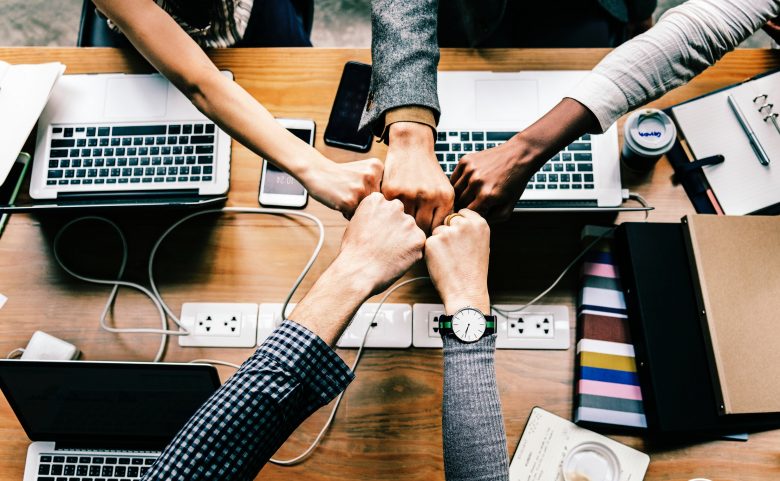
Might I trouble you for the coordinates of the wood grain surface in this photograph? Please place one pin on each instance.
(389, 426)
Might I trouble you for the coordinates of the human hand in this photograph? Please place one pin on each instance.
(381, 242)
(343, 186)
(413, 176)
(491, 181)
(457, 257)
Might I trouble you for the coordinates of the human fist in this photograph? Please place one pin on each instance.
(413, 176)
(343, 186)
(381, 242)
(457, 257)
(491, 181)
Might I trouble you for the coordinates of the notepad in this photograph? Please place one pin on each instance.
(737, 263)
(741, 184)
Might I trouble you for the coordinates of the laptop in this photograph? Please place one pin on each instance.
(122, 139)
(481, 110)
(101, 420)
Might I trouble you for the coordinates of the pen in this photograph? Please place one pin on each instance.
(760, 153)
(25, 159)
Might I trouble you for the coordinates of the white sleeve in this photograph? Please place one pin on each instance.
(685, 41)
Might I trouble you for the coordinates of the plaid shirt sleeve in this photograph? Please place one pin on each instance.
(291, 375)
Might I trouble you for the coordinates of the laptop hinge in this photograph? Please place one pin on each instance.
(152, 194)
(113, 445)
(557, 204)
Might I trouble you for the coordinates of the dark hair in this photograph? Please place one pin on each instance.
(197, 13)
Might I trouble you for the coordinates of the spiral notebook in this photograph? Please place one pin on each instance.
(710, 127)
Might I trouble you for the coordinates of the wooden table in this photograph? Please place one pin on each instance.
(389, 426)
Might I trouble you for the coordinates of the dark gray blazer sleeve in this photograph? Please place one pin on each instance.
(405, 57)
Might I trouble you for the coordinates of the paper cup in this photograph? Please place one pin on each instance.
(647, 135)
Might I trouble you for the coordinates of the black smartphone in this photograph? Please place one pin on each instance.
(342, 129)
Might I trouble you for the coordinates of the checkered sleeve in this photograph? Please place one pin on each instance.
(291, 375)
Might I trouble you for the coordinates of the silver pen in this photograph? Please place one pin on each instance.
(757, 148)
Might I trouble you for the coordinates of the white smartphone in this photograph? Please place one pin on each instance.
(277, 187)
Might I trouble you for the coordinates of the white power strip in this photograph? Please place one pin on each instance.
(393, 328)
(535, 327)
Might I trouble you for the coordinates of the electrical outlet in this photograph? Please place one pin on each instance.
(425, 327)
(535, 327)
(219, 324)
(532, 333)
(392, 327)
(530, 326)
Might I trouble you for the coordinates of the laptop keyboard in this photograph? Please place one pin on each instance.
(570, 169)
(131, 154)
(92, 468)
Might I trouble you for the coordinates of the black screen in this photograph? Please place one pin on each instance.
(342, 129)
(108, 402)
(279, 182)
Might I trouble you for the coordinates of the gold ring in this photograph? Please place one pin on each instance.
(449, 218)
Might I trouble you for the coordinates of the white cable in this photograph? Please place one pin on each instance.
(637, 197)
(214, 362)
(303, 456)
(115, 283)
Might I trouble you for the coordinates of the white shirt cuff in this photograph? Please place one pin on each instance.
(602, 97)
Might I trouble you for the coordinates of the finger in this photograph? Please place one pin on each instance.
(460, 184)
(424, 215)
(481, 204)
(502, 213)
(458, 172)
(440, 230)
(439, 214)
(468, 196)
(470, 214)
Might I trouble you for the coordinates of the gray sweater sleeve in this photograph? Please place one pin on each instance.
(404, 56)
(472, 422)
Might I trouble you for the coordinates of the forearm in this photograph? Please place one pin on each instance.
(472, 422)
(686, 41)
(238, 429)
(172, 52)
(331, 303)
(405, 56)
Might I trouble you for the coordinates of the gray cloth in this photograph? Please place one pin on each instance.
(405, 53)
(472, 422)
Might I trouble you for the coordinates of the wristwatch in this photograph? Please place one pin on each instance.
(468, 325)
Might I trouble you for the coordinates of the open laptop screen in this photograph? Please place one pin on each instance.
(105, 403)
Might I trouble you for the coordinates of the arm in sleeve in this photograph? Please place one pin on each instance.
(405, 57)
(685, 42)
(291, 375)
(472, 421)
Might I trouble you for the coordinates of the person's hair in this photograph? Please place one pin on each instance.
(197, 13)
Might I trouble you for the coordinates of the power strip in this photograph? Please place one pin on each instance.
(535, 327)
(393, 328)
(214, 324)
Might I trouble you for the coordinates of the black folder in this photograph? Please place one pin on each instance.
(669, 341)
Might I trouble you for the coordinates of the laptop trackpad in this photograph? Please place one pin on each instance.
(508, 101)
(136, 98)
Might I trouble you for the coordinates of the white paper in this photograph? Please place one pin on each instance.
(741, 184)
(548, 438)
(24, 91)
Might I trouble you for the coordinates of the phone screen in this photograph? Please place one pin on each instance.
(279, 182)
(342, 129)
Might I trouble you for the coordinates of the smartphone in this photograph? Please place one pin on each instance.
(277, 187)
(342, 129)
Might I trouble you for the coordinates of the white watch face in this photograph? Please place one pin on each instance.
(468, 324)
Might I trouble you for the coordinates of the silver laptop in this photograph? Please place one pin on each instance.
(126, 136)
(483, 109)
(101, 420)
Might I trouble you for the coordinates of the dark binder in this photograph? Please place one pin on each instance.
(669, 342)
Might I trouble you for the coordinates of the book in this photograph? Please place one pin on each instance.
(736, 264)
(709, 126)
(607, 391)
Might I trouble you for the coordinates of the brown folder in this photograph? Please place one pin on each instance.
(737, 262)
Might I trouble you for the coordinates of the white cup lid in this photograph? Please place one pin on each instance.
(651, 130)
